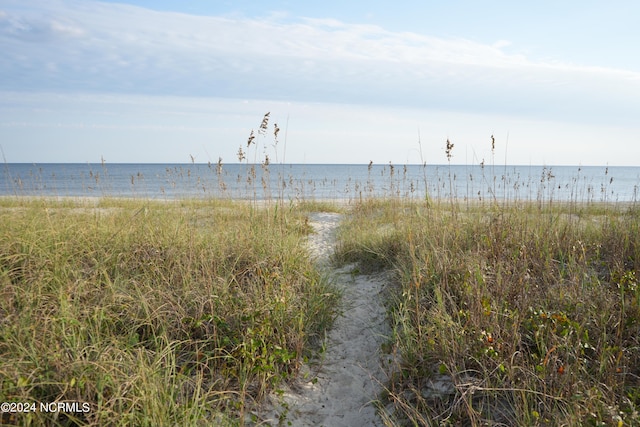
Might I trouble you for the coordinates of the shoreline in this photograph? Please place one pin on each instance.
(339, 202)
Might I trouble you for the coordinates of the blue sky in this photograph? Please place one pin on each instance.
(347, 82)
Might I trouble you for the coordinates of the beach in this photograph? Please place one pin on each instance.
(380, 312)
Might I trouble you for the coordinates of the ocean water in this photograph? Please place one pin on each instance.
(322, 181)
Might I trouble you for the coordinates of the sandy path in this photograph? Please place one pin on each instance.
(339, 389)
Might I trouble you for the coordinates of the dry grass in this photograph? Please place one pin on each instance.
(523, 313)
(174, 313)
(187, 312)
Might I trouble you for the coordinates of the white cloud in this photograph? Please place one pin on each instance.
(89, 46)
(31, 28)
(501, 44)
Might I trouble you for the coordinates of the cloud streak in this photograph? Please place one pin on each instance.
(86, 46)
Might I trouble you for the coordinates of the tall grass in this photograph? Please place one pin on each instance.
(512, 305)
(154, 313)
(522, 313)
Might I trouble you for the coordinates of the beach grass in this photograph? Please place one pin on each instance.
(190, 311)
(511, 313)
(182, 312)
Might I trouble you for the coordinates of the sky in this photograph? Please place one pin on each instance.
(141, 81)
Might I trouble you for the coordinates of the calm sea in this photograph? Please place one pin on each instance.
(321, 182)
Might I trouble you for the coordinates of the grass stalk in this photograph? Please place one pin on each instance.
(154, 313)
(524, 311)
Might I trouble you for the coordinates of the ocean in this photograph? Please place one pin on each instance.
(322, 181)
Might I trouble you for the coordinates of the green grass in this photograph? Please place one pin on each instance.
(154, 313)
(532, 310)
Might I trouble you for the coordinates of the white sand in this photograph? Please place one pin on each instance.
(340, 388)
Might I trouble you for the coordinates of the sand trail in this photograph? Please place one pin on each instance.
(340, 388)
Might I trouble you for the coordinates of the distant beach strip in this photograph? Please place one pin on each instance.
(322, 181)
